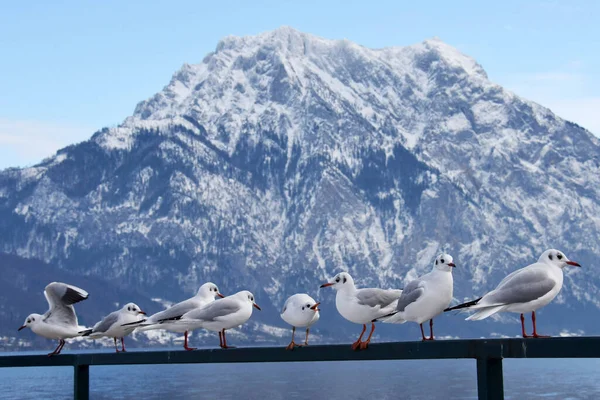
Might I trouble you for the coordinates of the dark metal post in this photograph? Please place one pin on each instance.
(490, 384)
(81, 382)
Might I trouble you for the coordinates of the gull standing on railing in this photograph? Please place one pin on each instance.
(362, 306)
(426, 297)
(525, 290)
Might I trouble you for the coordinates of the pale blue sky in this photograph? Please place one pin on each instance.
(69, 68)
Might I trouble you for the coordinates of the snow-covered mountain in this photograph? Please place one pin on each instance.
(283, 158)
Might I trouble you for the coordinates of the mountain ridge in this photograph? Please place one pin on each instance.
(283, 158)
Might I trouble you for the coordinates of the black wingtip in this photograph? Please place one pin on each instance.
(463, 305)
(87, 332)
(135, 323)
(160, 321)
(385, 316)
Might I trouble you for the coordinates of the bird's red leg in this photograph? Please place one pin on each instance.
(535, 334)
(220, 339)
(185, 342)
(431, 329)
(225, 342)
(306, 340)
(123, 345)
(55, 350)
(525, 335)
(423, 338)
(116, 347)
(359, 341)
(365, 344)
(292, 344)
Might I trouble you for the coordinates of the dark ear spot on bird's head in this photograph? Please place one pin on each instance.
(344, 281)
(550, 256)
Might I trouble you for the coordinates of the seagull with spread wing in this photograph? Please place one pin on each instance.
(60, 321)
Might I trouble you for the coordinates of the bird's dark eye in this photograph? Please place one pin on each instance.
(559, 256)
(550, 256)
(28, 321)
(442, 260)
(308, 306)
(337, 279)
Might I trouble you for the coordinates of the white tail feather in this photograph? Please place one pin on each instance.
(484, 313)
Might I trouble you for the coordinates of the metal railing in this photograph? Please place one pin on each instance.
(488, 353)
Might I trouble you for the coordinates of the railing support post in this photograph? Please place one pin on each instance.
(490, 383)
(81, 382)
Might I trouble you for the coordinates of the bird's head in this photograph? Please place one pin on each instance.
(209, 291)
(30, 321)
(556, 258)
(340, 281)
(444, 262)
(133, 309)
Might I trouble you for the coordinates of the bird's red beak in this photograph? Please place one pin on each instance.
(21, 328)
(326, 285)
(314, 308)
(220, 295)
(573, 263)
(256, 306)
(141, 312)
(451, 265)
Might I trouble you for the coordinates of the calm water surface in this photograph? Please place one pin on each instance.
(448, 379)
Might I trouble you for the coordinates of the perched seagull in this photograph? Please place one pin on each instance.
(60, 321)
(425, 297)
(230, 312)
(525, 290)
(163, 320)
(362, 306)
(117, 324)
(300, 311)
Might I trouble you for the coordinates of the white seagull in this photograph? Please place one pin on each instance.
(164, 319)
(230, 312)
(301, 311)
(525, 290)
(117, 324)
(425, 297)
(362, 306)
(60, 321)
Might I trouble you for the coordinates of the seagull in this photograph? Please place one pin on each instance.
(163, 320)
(300, 310)
(525, 290)
(230, 312)
(60, 321)
(362, 306)
(425, 297)
(117, 324)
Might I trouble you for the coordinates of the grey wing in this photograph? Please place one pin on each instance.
(61, 298)
(61, 294)
(410, 294)
(174, 312)
(213, 311)
(106, 323)
(524, 285)
(374, 297)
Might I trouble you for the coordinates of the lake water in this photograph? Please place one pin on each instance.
(448, 379)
